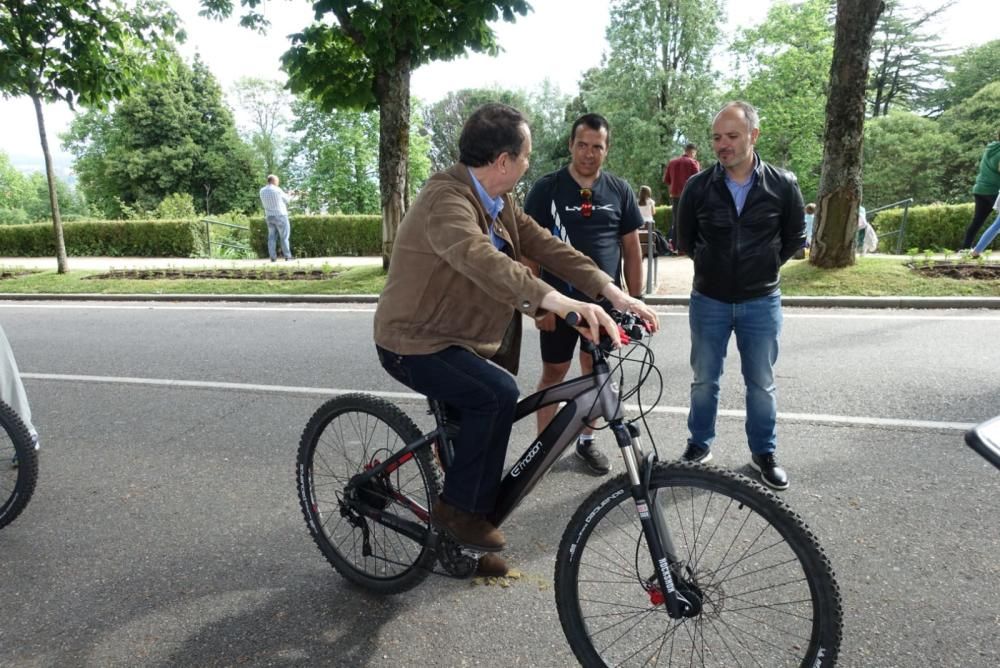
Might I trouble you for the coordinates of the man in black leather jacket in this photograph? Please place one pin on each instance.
(738, 221)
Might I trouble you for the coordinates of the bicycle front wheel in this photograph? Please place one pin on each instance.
(767, 592)
(18, 465)
(347, 436)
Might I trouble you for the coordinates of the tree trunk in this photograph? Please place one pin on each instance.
(392, 91)
(839, 197)
(62, 266)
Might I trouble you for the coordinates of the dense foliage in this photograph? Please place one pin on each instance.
(172, 135)
(78, 51)
(656, 88)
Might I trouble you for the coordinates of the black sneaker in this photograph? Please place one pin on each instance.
(696, 453)
(592, 457)
(773, 475)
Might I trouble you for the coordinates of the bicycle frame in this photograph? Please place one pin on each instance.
(586, 398)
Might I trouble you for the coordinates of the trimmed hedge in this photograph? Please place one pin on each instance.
(312, 236)
(118, 238)
(935, 227)
(324, 236)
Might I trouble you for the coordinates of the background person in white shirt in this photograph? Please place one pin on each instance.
(275, 202)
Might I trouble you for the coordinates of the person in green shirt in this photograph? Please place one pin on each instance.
(985, 190)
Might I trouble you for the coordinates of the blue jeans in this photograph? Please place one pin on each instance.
(278, 227)
(989, 235)
(757, 324)
(485, 397)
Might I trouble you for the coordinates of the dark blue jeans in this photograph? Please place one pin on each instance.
(757, 325)
(485, 396)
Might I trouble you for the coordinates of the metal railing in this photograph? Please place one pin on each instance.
(901, 232)
(222, 244)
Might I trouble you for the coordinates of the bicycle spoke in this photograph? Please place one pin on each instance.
(348, 436)
(752, 591)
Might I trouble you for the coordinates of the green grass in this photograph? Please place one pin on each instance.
(356, 280)
(877, 277)
(870, 277)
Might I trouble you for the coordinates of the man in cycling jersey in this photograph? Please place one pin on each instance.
(448, 322)
(596, 212)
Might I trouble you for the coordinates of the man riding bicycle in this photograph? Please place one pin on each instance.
(452, 305)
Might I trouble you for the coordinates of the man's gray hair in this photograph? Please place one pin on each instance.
(749, 112)
(272, 179)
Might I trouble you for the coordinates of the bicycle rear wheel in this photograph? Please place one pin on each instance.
(17, 483)
(767, 592)
(347, 436)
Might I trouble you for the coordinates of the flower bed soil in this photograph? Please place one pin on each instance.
(241, 274)
(971, 272)
(16, 273)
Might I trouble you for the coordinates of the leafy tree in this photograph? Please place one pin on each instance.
(85, 51)
(334, 159)
(266, 103)
(971, 70)
(360, 53)
(25, 198)
(973, 122)
(13, 185)
(835, 225)
(547, 107)
(38, 207)
(656, 87)
(418, 166)
(444, 119)
(172, 135)
(906, 60)
(789, 56)
(544, 109)
(178, 206)
(907, 155)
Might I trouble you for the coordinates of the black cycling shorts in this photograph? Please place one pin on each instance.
(559, 344)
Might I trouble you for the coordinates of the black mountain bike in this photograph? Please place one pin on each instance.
(666, 564)
(18, 465)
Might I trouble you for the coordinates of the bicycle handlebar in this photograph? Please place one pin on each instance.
(630, 327)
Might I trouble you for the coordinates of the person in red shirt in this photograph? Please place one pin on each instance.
(678, 171)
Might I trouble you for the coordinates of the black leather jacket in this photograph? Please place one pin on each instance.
(737, 256)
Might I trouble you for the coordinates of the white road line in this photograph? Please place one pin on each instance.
(845, 420)
(336, 308)
(319, 308)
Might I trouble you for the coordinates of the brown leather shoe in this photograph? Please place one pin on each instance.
(467, 529)
(492, 566)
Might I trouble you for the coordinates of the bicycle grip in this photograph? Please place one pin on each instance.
(572, 319)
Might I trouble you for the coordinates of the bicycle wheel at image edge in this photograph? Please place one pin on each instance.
(768, 593)
(17, 484)
(346, 436)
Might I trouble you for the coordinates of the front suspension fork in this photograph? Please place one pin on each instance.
(639, 468)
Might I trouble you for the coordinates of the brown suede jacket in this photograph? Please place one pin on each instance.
(449, 286)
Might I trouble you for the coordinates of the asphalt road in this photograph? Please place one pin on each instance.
(166, 531)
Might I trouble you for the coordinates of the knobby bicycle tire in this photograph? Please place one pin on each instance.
(767, 590)
(346, 435)
(17, 484)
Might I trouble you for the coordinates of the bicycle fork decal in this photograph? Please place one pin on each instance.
(590, 518)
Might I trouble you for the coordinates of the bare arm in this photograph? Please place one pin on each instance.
(632, 255)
